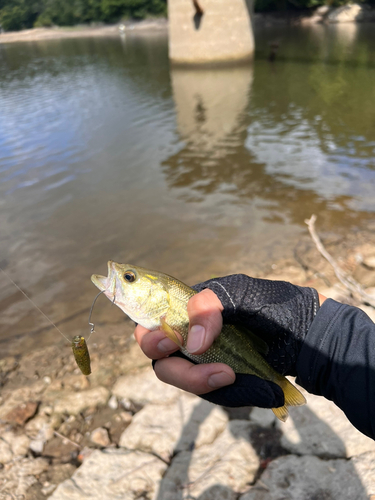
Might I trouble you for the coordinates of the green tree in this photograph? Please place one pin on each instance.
(19, 14)
(115, 9)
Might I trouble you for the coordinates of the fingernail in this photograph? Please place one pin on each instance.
(219, 380)
(167, 345)
(195, 338)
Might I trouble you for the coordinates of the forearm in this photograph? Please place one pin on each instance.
(337, 361)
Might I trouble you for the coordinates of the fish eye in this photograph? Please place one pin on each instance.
(129, 277)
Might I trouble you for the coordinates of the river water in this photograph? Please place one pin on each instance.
(108, 153)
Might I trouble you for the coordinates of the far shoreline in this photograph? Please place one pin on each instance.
(345, 15)
(81, 31)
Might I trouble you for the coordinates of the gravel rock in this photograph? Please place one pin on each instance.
(220, 470)
(321, 428)
(113, 403)
(19, 444)
(126, 417)
(113, 474)
(21, 413)
(6, 454)
(41, 427)
(308, 477)
(144, 388)
(17, 397)
(37, 446)
(164, 429)
(13, 446)
(74, 403)
(369, 261)
(18, 476)
(100, 437)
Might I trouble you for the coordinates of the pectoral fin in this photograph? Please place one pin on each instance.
(170, 332)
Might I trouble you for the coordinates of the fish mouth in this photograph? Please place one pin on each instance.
(106, 283)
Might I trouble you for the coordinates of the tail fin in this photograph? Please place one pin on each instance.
(292, 395)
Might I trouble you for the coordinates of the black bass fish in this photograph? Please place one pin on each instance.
(159, 302)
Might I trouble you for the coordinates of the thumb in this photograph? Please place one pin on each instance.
(205, 321)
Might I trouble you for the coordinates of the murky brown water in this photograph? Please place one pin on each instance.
(106, 152)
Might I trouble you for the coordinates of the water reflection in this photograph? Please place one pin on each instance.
(209, 104)
(269, 141)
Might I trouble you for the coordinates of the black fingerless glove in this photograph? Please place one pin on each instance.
(247, 390)
(278, 312)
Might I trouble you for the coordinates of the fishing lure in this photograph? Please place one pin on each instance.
(78, 343)
(79, 346)
(81, 354)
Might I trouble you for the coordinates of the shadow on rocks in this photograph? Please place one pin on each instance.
(249, 461)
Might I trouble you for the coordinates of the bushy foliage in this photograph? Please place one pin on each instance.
(113, 9)
(20, 14)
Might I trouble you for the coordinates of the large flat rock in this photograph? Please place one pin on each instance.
(74, 403)
(188, 422)
(310, 478)
(219, 471)
(320, 428)
(113, 474)
(144, 388)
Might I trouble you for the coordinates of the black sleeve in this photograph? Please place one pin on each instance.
(337, 361)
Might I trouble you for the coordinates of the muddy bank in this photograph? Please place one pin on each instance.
(121, 430)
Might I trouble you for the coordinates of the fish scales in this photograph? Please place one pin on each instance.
(158, 301)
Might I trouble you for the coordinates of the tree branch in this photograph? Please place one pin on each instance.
(348, 281)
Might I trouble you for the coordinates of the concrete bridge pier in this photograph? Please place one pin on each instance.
(210, 31)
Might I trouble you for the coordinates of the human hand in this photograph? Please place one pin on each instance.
(205, 315)
(278, 312)
(265, 307)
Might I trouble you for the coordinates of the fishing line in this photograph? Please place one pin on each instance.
(78, 343)
(92, 307)
(33, 303)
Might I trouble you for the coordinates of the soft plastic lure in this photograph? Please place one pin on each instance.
(81, 354)
(78, 343)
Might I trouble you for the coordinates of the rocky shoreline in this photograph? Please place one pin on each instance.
(121, 433)
(346, 14)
